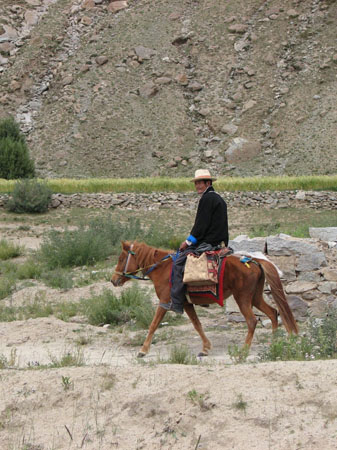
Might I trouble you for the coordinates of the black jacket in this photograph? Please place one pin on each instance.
(211, 223)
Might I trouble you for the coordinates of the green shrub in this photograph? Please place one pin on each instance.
(180, 354)
(10, 129)
(88, 244)
(14, 155)
(30, 269)
(7, 286)
(29, 196)
(132, 306)
(58, 278)
(318, 342)
(9, 250)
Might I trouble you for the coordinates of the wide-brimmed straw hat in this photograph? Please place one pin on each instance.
(202, 174)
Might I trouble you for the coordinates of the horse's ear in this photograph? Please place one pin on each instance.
(125, 245)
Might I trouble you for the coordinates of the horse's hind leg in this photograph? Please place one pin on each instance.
(245, 305)
(268, 310)
(206, 344)
(158, 317)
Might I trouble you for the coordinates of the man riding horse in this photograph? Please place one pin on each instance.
(210, 230)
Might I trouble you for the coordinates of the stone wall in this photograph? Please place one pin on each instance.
(156, 200)
(309, 269)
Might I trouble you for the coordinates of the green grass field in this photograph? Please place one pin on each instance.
(160, 184)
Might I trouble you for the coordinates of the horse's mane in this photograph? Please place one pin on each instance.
(147, 255)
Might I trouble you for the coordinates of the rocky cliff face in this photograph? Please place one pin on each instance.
(135, 88)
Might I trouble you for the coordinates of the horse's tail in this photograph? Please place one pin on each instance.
(278, 294)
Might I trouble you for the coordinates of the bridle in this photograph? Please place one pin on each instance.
(133, 275)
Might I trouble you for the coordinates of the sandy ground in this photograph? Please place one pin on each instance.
(114, 400)
(117, 401)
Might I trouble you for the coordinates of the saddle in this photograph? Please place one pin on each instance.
(203, 269)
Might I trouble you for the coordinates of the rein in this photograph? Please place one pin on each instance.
(141, 269)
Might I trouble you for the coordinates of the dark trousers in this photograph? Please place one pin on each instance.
(178, 289)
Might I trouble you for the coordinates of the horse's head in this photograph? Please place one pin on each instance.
(126, 264)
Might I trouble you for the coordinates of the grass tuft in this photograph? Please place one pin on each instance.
(133, 306)
(9, 250)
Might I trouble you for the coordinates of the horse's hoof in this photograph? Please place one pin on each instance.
(141, 355)
(202, 354)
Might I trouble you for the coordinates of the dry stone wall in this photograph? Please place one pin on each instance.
(156, 200)
(309, 269)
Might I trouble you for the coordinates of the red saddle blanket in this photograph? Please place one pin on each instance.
(211, 291)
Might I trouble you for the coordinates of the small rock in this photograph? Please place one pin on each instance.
(182, 79)
(15, 85)
(10, 32)
(100, 60)
(239, 28)
(248, 105)
(194, 86)
(229, 129)
(240, 45)
(292, 13)
(31, 18)
(163, 80)
(172, 164)
(6, 48)
(117, 6)
(181, 39)
(174, 16)
(148, 90)
(67, 80)
(3, 61)
(144, 53)
(86, 20)
(88, 4)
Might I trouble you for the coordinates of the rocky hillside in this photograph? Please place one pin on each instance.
(142, 87)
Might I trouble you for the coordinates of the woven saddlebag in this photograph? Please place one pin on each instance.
(201, 270)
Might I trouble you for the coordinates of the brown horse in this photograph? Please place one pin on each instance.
(244, 283)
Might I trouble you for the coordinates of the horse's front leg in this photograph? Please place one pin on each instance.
(158, 317)
(206, 343)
